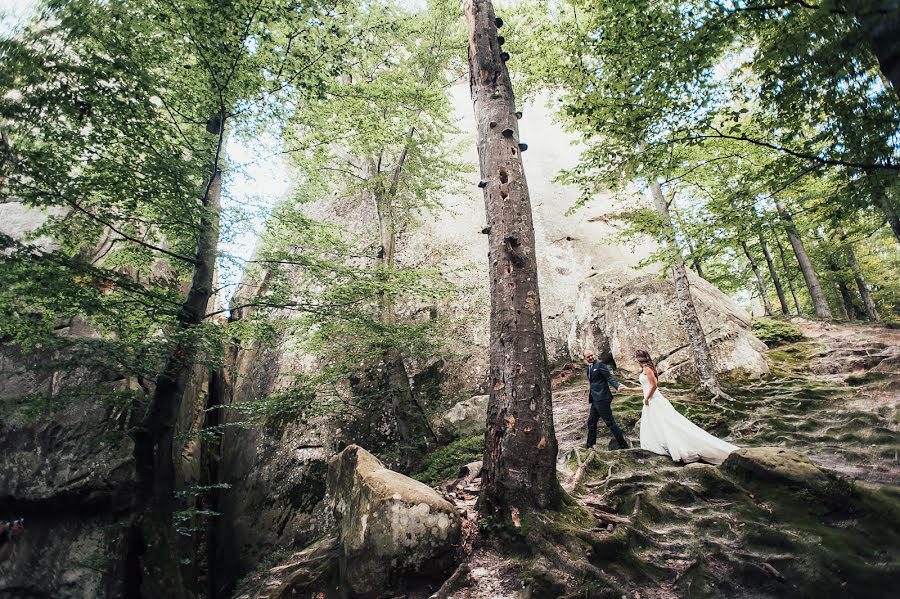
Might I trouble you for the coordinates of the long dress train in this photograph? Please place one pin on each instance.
(665, 431)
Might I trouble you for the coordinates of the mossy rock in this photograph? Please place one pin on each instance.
(773, 464)
(774, 332)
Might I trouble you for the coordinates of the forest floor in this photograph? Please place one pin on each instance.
(666, 530)
(640, 526)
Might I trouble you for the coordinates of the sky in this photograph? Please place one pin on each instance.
(258, 182)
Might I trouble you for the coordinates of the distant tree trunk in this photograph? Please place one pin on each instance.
(776, 280)
(154, 437)
(871, 311)
(696, 336)
(412, 422)
(890, 215)
(520, 442)
(767, 305)
(695, 260)
(820, 303)
(846, 305)
(788, 275)
(880, 19)
(692, 253)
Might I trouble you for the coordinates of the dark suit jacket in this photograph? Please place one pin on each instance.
(600, 378)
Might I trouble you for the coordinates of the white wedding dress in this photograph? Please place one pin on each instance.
(665, 431)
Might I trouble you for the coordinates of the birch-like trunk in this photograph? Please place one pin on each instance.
(820, 303)
(520, 442)
(696, 336)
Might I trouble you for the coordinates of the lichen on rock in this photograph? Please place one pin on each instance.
(389, 524)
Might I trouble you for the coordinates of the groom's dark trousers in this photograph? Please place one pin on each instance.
(600, 398)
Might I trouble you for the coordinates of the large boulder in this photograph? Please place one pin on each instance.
(775, 465)
(619, 311)
(389, 524)
(463, 419)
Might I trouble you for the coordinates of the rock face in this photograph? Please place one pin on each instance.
(389, 524)
(619, 311)
(69, 476)
(464, 419)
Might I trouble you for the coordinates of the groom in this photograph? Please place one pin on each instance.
(600, 398)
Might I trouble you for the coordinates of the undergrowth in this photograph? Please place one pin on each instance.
(444, 463)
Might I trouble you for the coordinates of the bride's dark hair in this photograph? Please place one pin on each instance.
(644, 359)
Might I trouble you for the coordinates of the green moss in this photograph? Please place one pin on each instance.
(776, 332)
(444, 463)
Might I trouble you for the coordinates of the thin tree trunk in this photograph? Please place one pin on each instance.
(520, 442)
(695, 261)
(820, 303)
(776, 280)
(154, 438)
(763, 294)
(412, 423)
(696, 336)
(846, 306)
(788, 275)
(842, 312)
(890, 215)
(871, 311)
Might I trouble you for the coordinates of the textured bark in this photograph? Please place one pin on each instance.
(686, 307)
(520, 443)
(880, 19)
(871, 311)
(767, 305)
(154, 438)
(890, 215)
(820, 303)
(788, 276)
(776, 280)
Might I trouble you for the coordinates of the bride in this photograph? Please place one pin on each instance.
(665, 431)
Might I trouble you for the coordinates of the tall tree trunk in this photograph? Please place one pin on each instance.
(696, 336)
(788, 275)
(520, 442)
(776, 280)
(890, 215)
(871, 311)
(154, 438)
(820, 303)
(763, 294)
(412, 423)
(880, 19)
